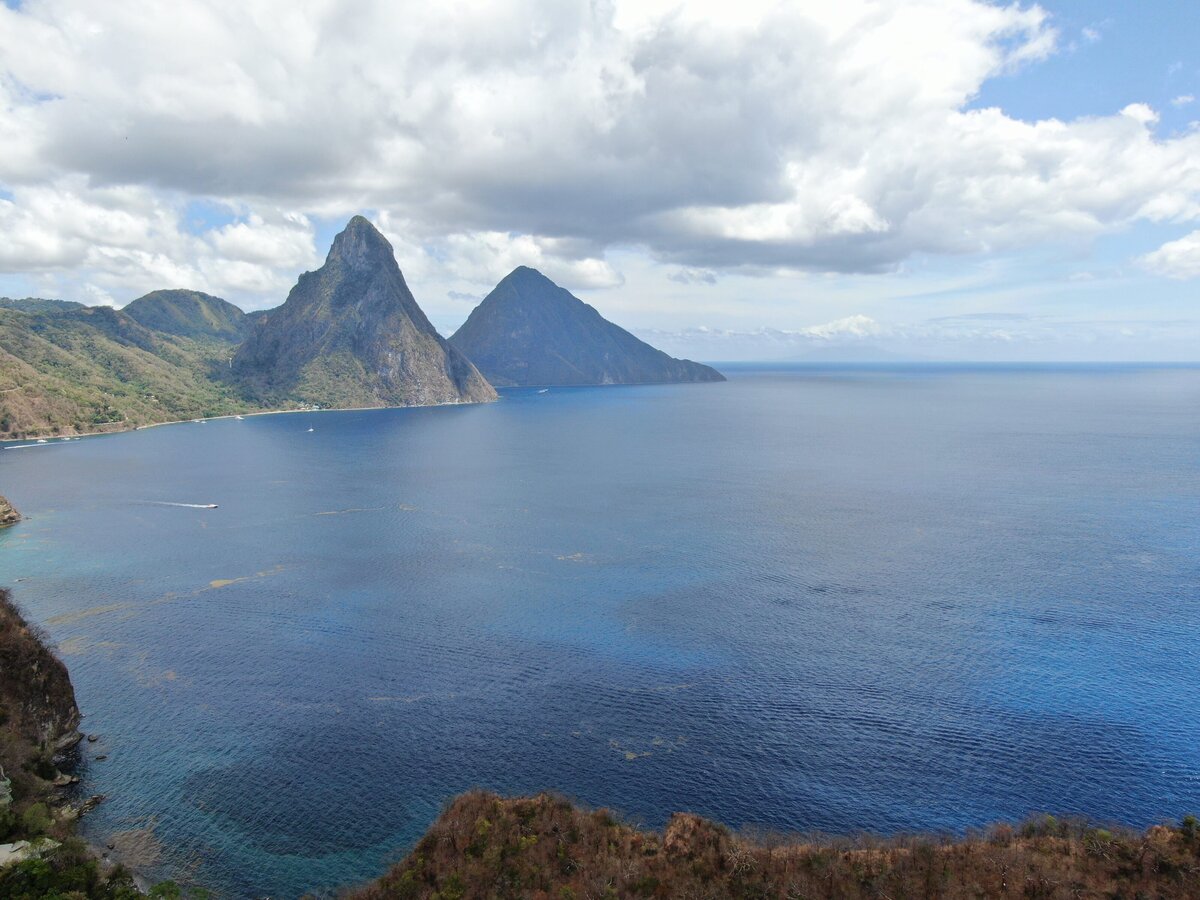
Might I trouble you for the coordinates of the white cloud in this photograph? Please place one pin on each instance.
(111, 244)
(819, 136)
(854, 327)
(1183, 100)
(1176, 259)
(977, 336)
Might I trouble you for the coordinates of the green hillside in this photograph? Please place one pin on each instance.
(190, 314)
(92, 369)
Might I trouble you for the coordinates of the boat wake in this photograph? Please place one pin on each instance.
(188, 505)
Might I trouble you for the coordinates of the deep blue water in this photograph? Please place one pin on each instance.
(837, 598)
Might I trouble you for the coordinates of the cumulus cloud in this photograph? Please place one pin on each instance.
(1176, 259)
(757, 135)
(120, 241)
(853, 327)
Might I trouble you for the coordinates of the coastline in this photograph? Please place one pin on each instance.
(50, 438)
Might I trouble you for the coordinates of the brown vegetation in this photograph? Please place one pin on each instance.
(543, 847)
(38, 718)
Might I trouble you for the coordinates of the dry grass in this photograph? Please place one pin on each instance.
(543, 847)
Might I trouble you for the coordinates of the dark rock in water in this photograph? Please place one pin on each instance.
(351, 334)
(102, 757)
(8, 514)
(190, 314)
(91, 803)
(530, 331)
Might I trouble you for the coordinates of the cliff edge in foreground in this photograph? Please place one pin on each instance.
(483, 846)
(37, 701)
(39, 855)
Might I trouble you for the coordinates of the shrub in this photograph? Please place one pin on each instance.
(1190, 827)
(36, 819)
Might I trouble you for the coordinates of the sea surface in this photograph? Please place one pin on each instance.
(814, 597)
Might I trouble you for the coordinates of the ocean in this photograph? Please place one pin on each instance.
(816, 597)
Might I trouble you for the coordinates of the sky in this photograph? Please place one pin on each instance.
(938, 179)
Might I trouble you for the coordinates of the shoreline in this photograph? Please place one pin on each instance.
(51, 438)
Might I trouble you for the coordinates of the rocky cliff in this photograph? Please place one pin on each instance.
(530, 331)
(8, 514)
(351, 334)
(37, 702)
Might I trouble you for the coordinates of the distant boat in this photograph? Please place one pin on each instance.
(310, 429)
(198, 421)
(43, 440)
(239, 418)
(543, 390)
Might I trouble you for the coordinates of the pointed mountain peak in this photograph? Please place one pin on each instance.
(529, 331)
(360, 242)
(527, 275)
(351, 334)
(524, 285)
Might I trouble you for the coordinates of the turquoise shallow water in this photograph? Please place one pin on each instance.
(827, 597)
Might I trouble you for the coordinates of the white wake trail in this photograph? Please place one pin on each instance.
(188, 505)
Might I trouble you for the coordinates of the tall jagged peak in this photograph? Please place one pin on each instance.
(352, 334)
(361, 244)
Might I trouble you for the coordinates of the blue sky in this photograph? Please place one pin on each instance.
(1141, 52)
(950, 178)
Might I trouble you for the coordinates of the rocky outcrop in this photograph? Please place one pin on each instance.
(530, 331)
(37, 702)
(351, 334)
(8, 514)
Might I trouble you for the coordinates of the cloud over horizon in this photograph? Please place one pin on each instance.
(766, 137)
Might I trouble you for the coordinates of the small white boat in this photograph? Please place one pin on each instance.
(239, 418)
(41, 440)
(543, 390)
(310, 429)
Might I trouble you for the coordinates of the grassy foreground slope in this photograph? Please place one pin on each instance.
(483, 846)
(75, 371)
